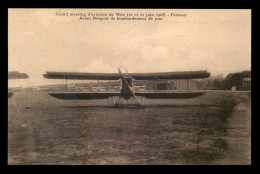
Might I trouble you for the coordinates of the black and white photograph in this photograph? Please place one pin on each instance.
(90, 86)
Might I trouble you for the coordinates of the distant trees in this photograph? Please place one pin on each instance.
(216, 82)
(241, 80)
(17, 75)
(237, 80)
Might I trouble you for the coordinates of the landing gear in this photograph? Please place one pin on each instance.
(139, 102)
(127, 103)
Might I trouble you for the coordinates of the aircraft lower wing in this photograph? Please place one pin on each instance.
(83, 95)
(147, 94)
(168, 94)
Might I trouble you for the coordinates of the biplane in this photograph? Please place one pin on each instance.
(127, 82)
(15, 75)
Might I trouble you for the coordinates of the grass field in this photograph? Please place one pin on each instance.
(212, 129)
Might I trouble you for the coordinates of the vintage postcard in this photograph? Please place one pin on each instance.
(129, 86)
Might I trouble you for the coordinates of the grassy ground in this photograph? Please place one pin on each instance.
(211, 129)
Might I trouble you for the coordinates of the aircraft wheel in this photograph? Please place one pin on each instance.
(138, 102)
(115, 104)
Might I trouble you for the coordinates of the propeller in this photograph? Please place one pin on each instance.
(126, 82)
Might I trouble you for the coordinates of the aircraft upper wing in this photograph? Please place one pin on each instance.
(17, 75)
(171, 75)
(137, 76)
(81, 76)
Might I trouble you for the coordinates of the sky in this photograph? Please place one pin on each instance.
(41, 40)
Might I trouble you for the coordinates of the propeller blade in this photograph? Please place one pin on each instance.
(126, 82)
